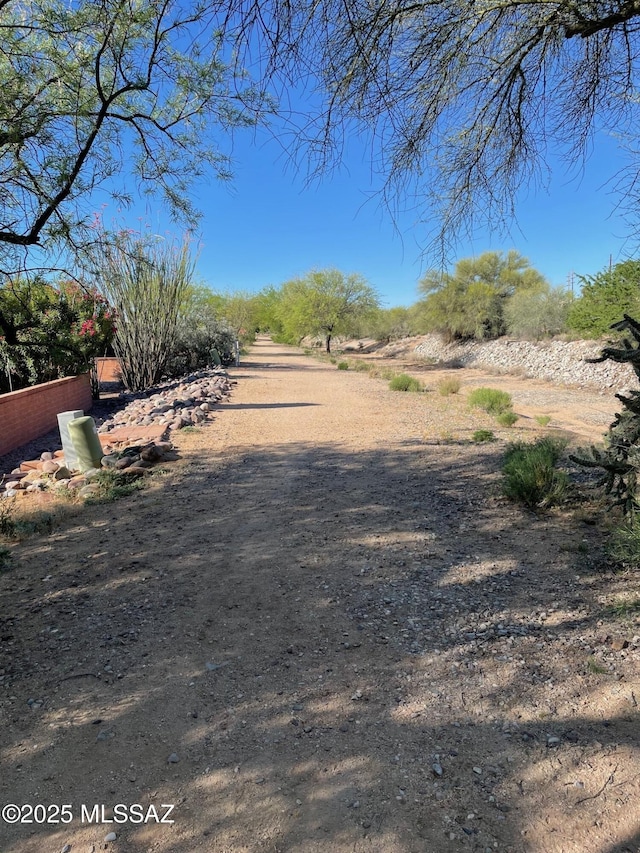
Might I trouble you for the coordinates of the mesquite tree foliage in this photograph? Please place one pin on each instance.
(119, 95)
(325, 302)
(620, 459)
(146, 281)
(464, 99)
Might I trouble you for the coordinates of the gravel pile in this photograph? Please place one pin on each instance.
(177, 404)
(563, 362)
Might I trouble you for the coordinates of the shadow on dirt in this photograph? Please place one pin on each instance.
(244, 406)
(343, 651)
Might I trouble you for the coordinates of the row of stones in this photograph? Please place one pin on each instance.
(174, 405)
(50, 473)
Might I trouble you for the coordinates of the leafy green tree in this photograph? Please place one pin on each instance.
(605, 298)
(470, 302)
(390, 324)
(267, 318)
(325, 302)
(538, 314)
(97, 90)
(239, 309)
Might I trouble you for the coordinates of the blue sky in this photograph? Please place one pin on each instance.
(268, 226)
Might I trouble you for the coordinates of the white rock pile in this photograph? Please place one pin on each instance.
(186, 402)
(563, 362)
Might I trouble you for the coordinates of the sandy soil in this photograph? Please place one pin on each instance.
(324, 630)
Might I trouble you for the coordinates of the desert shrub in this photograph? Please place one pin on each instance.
(14, 526)
(404, 382)
(620, 458)
(594, 667)
(604, 298)
(624, 607)
(624, 545)
(451, 385)
(490, 400)
(381, 373)
(343, 365)
(7, 520)
(530, 476)
(200, 342)
(114, 485)
(361, 367)
(481, 435)
(507, 419)
(146, 280)
(538, 314)
(543, 420)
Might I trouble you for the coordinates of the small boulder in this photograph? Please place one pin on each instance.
(88, 491)
(152, 454)
(136, 471)
(77, 483)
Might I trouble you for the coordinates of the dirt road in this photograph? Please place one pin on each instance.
(323, 630)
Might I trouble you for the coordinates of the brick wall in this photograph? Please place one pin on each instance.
(31, 412)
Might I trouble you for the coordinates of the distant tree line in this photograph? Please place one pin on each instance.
(482, 298)
(141, 299)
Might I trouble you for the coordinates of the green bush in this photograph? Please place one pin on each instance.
(543, 420)
(624, 545)
(343, 365)
(623, 608)
(507, 419)
(404, 382)
(605, 298)
(449, 386)
(490, 400)
(113, 486)
(529, 472)
(200, 342)
(481, 435)
(537, 314)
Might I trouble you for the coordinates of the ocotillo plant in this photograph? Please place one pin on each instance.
(620, 459)
(146, 280)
